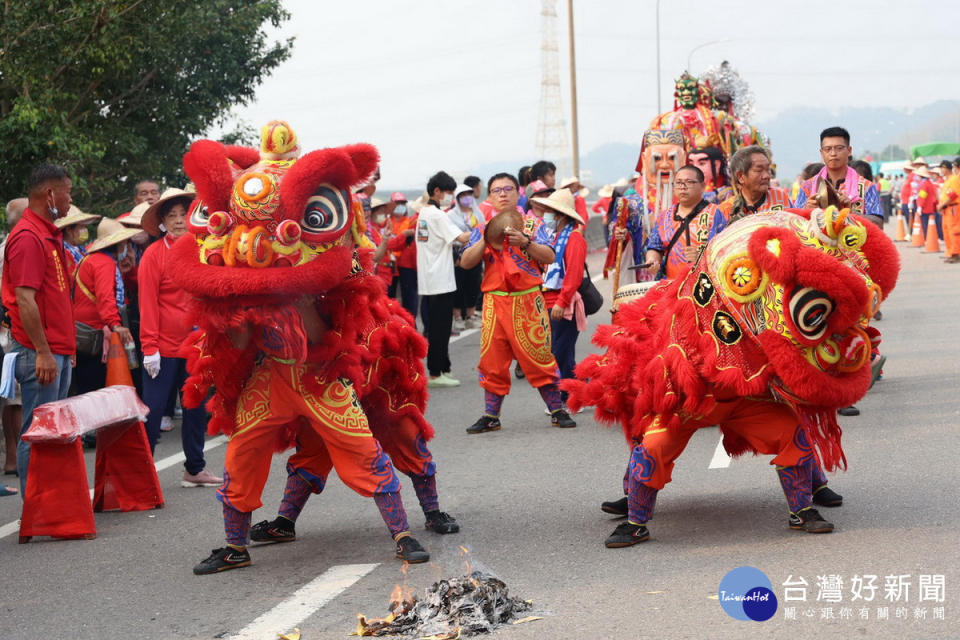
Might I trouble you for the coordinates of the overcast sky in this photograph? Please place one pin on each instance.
(452, 84)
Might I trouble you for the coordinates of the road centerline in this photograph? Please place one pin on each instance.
(304, 602)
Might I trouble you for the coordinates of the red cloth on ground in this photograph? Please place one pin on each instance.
(97, 276)
(164, 319)
(35, 259)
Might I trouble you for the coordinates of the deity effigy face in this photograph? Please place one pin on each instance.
(660, 161)
(703, 162)
(687, 91)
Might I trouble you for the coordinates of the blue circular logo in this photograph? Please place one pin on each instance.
(746, 593)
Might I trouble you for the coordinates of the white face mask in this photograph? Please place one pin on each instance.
(550, 219)
(446, 200)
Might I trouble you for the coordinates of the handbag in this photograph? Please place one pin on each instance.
(592, 298)
(89, 340)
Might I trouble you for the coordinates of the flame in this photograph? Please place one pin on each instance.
(465, 554)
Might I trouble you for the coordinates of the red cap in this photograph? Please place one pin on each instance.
(396, 196)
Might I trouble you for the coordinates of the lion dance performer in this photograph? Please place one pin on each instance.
(765, 335)
(288, 310)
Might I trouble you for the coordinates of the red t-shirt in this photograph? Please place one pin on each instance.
(35, 259)
(97, 277)
(927, 194)
(403, 247)
(164, 319)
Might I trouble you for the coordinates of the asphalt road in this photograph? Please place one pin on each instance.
(528, 498)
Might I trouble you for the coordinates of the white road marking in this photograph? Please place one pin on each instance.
(169, 461)
(164, 463)
(304, 602)
(464, 334)
(720, 458)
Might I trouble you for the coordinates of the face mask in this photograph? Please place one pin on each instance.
(123, 254)
(380, 219)
(466, 201)
(550, 219)
(83, 236)
(446, 200)
(400, 210)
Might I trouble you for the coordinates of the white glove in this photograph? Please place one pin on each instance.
(151, 364)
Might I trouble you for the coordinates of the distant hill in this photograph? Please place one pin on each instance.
(795, 133)
(794, 136)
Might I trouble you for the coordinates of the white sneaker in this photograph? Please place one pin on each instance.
(166, 423)
(202, 479)
(446, 374)
(442, 381)
(473, 322)
(459, 325)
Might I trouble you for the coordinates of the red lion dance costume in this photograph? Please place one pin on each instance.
(298, 338)
(765, 336)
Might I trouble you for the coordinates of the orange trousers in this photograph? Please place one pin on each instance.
(951, 230)
(515, 327)
(333, 433)
(770, 428)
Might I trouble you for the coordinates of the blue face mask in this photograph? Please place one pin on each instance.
(400, 209)
(466, 201)
(550, 219)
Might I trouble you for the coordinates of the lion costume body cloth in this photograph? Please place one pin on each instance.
(273, 234)
(769, 327)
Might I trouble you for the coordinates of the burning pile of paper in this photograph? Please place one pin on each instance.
(449, 609)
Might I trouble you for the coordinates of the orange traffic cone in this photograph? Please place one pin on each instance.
(125, 477)
(901, 229)
(933, 240)
(916, 233)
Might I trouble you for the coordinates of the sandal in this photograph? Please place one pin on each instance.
(10, 472)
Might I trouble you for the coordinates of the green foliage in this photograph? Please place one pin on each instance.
(117, 89)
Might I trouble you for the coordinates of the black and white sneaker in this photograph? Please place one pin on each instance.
(827, 497)
(615, 507)
(223, 560)
(440, 522)
(411, 551)
(484, 424)
(280, 530)
(809, 520)
(562, 420)
(626, 535)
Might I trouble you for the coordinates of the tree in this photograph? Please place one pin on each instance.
(116, 90)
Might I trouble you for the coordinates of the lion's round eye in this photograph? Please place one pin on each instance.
(809, 310)
(199, 216)
(327, 210)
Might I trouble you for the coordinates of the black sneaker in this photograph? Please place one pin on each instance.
(223, 560)
(440, 522)
(485, 423)
(615, 507)
(848, 411)
(627, 534)
(809, 520)
(280, 530)
(827, 497)
(561, 419)
(518, 371)
(410, 550)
